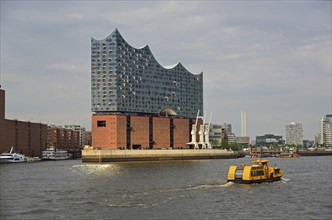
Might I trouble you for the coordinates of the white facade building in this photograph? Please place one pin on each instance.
(326, 130)
(294, 133)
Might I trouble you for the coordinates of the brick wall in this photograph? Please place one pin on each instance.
(181, 133)
(109, 131)
(26, 137)
(161, 132)
(139, 131)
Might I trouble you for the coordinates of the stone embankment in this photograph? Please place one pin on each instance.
(155, 155)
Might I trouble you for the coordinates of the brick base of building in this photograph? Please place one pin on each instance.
(120, 131)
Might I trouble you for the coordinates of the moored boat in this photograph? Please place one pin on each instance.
(288, 155)
(54, 154)
(11, 157)
(258, 172)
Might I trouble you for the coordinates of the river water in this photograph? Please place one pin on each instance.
(163, 190)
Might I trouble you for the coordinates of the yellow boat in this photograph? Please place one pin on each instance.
(258, 172)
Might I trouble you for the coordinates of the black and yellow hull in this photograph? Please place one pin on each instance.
(266, 180)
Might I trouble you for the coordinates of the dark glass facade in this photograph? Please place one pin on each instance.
(269, 140)
(129, 80)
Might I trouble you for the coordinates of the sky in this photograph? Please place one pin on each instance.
(269, 58)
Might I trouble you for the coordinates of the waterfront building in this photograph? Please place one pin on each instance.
(62, 138)
(25, 137)
(138, 103)
(269, 140)
(326, 130)
(308, 143)
(231, 138)
(227, 128)
(294, 133)
(81, 131)
(318, 139)
(216, 135)
(223, 132)
(228, 134)
(243, 140)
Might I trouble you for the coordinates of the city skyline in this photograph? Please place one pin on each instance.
(273, 61)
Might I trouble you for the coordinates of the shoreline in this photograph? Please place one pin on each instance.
(99, 156)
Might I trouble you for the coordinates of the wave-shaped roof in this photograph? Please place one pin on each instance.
(116, 34)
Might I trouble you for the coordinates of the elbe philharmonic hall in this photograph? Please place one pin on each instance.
(139, 104)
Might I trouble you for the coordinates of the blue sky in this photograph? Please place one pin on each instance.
(272, 59)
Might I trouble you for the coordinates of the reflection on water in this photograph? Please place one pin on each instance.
(97, 169)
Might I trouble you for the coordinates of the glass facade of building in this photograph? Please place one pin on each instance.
(129, 80)
(269, 140)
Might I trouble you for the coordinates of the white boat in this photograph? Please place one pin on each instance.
(11, 157)
(54, 154)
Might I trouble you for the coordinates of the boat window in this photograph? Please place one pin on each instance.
(276, 171)
(101, 123)
(257, 173)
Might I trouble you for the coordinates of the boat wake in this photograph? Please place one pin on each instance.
(207, 186)
(156, 197)
(284, 180)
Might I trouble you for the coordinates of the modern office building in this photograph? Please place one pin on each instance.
(267, 140)
(326, 131)
(138, 103)
(228, 135)
(227, 128)
(216, 135)
(243, 140)
(308, 143)
(294, 133)
(317, 139)
(25, 137)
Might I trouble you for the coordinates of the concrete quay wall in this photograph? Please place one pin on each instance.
(153, 155)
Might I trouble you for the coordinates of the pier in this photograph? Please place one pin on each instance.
(156, 155)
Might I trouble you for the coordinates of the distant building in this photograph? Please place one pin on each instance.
(294, 133)
(269, 139)
(227, 127)
(81, 131)
(62, 138)
(326, 130)
(318, 139)
(216, 135)
(228, 135)
(223, 132)
(27, 138)
(308, 143)
(242, 140)
(88, 138)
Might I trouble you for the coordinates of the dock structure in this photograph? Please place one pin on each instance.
(99, 156)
